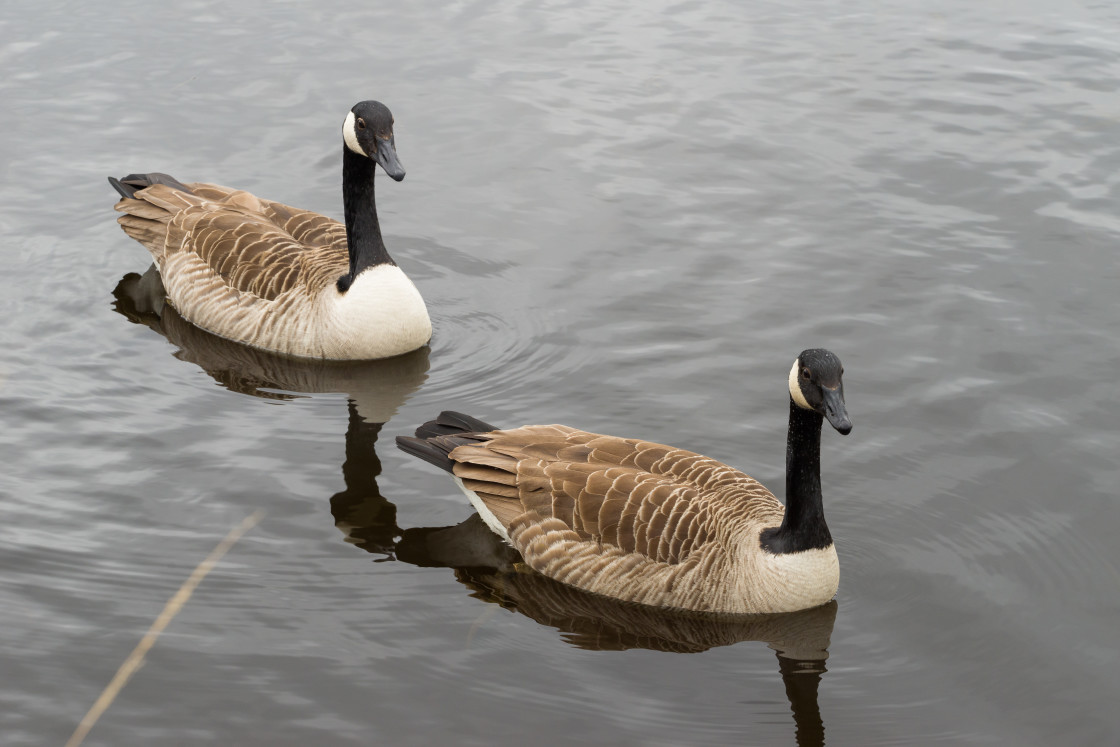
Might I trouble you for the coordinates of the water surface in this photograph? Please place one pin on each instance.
(628, 218)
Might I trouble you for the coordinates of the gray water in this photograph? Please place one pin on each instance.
(627, 217)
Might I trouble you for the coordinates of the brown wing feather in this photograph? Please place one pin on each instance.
(639, 497)
(255, 246)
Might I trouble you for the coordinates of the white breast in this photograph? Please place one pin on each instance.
(381, 315)
(802, 579)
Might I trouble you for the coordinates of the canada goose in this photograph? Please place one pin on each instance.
(277, 277)
(653, 524)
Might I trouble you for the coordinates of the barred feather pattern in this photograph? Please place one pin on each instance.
(264, 273)
(640, 521)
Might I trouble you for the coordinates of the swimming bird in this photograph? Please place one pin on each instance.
(277, 277)
(653, 524)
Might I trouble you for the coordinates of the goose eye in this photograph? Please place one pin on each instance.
(361, 124)
(805, 373)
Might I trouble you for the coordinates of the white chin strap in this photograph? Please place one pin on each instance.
(795, 388)
(350, 135)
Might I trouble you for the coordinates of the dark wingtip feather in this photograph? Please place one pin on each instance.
(450, 422)
(129, 185)
(125, 192)
(436, 439)
(429, 452)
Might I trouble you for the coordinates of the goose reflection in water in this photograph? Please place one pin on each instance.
(377, 387)
(489, 568)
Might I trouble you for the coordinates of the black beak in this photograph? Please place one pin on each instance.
(386, 155)
(836, 411)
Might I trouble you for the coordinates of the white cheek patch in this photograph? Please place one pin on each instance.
(350, 135)
(795, 388)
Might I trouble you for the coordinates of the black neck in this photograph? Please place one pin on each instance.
(803, 527)
(363, 232)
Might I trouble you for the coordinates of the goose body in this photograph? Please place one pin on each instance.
(280, 278)
(653, 524)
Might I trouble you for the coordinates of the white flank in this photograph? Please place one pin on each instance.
(486, 514)
(350, 135)
(795, 387)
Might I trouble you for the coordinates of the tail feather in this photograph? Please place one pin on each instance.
(452, 423)
(429, 452)
(125, 191)
(146, 216)
(128, 186)
(436, 439)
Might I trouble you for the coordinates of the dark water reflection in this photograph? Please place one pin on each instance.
(378, 387)
(490, 569)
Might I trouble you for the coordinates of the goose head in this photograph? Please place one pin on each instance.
(816, 383)
(368, 131)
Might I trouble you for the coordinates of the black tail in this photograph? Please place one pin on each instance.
(436, 439)
(453, 423)
(129, 185)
